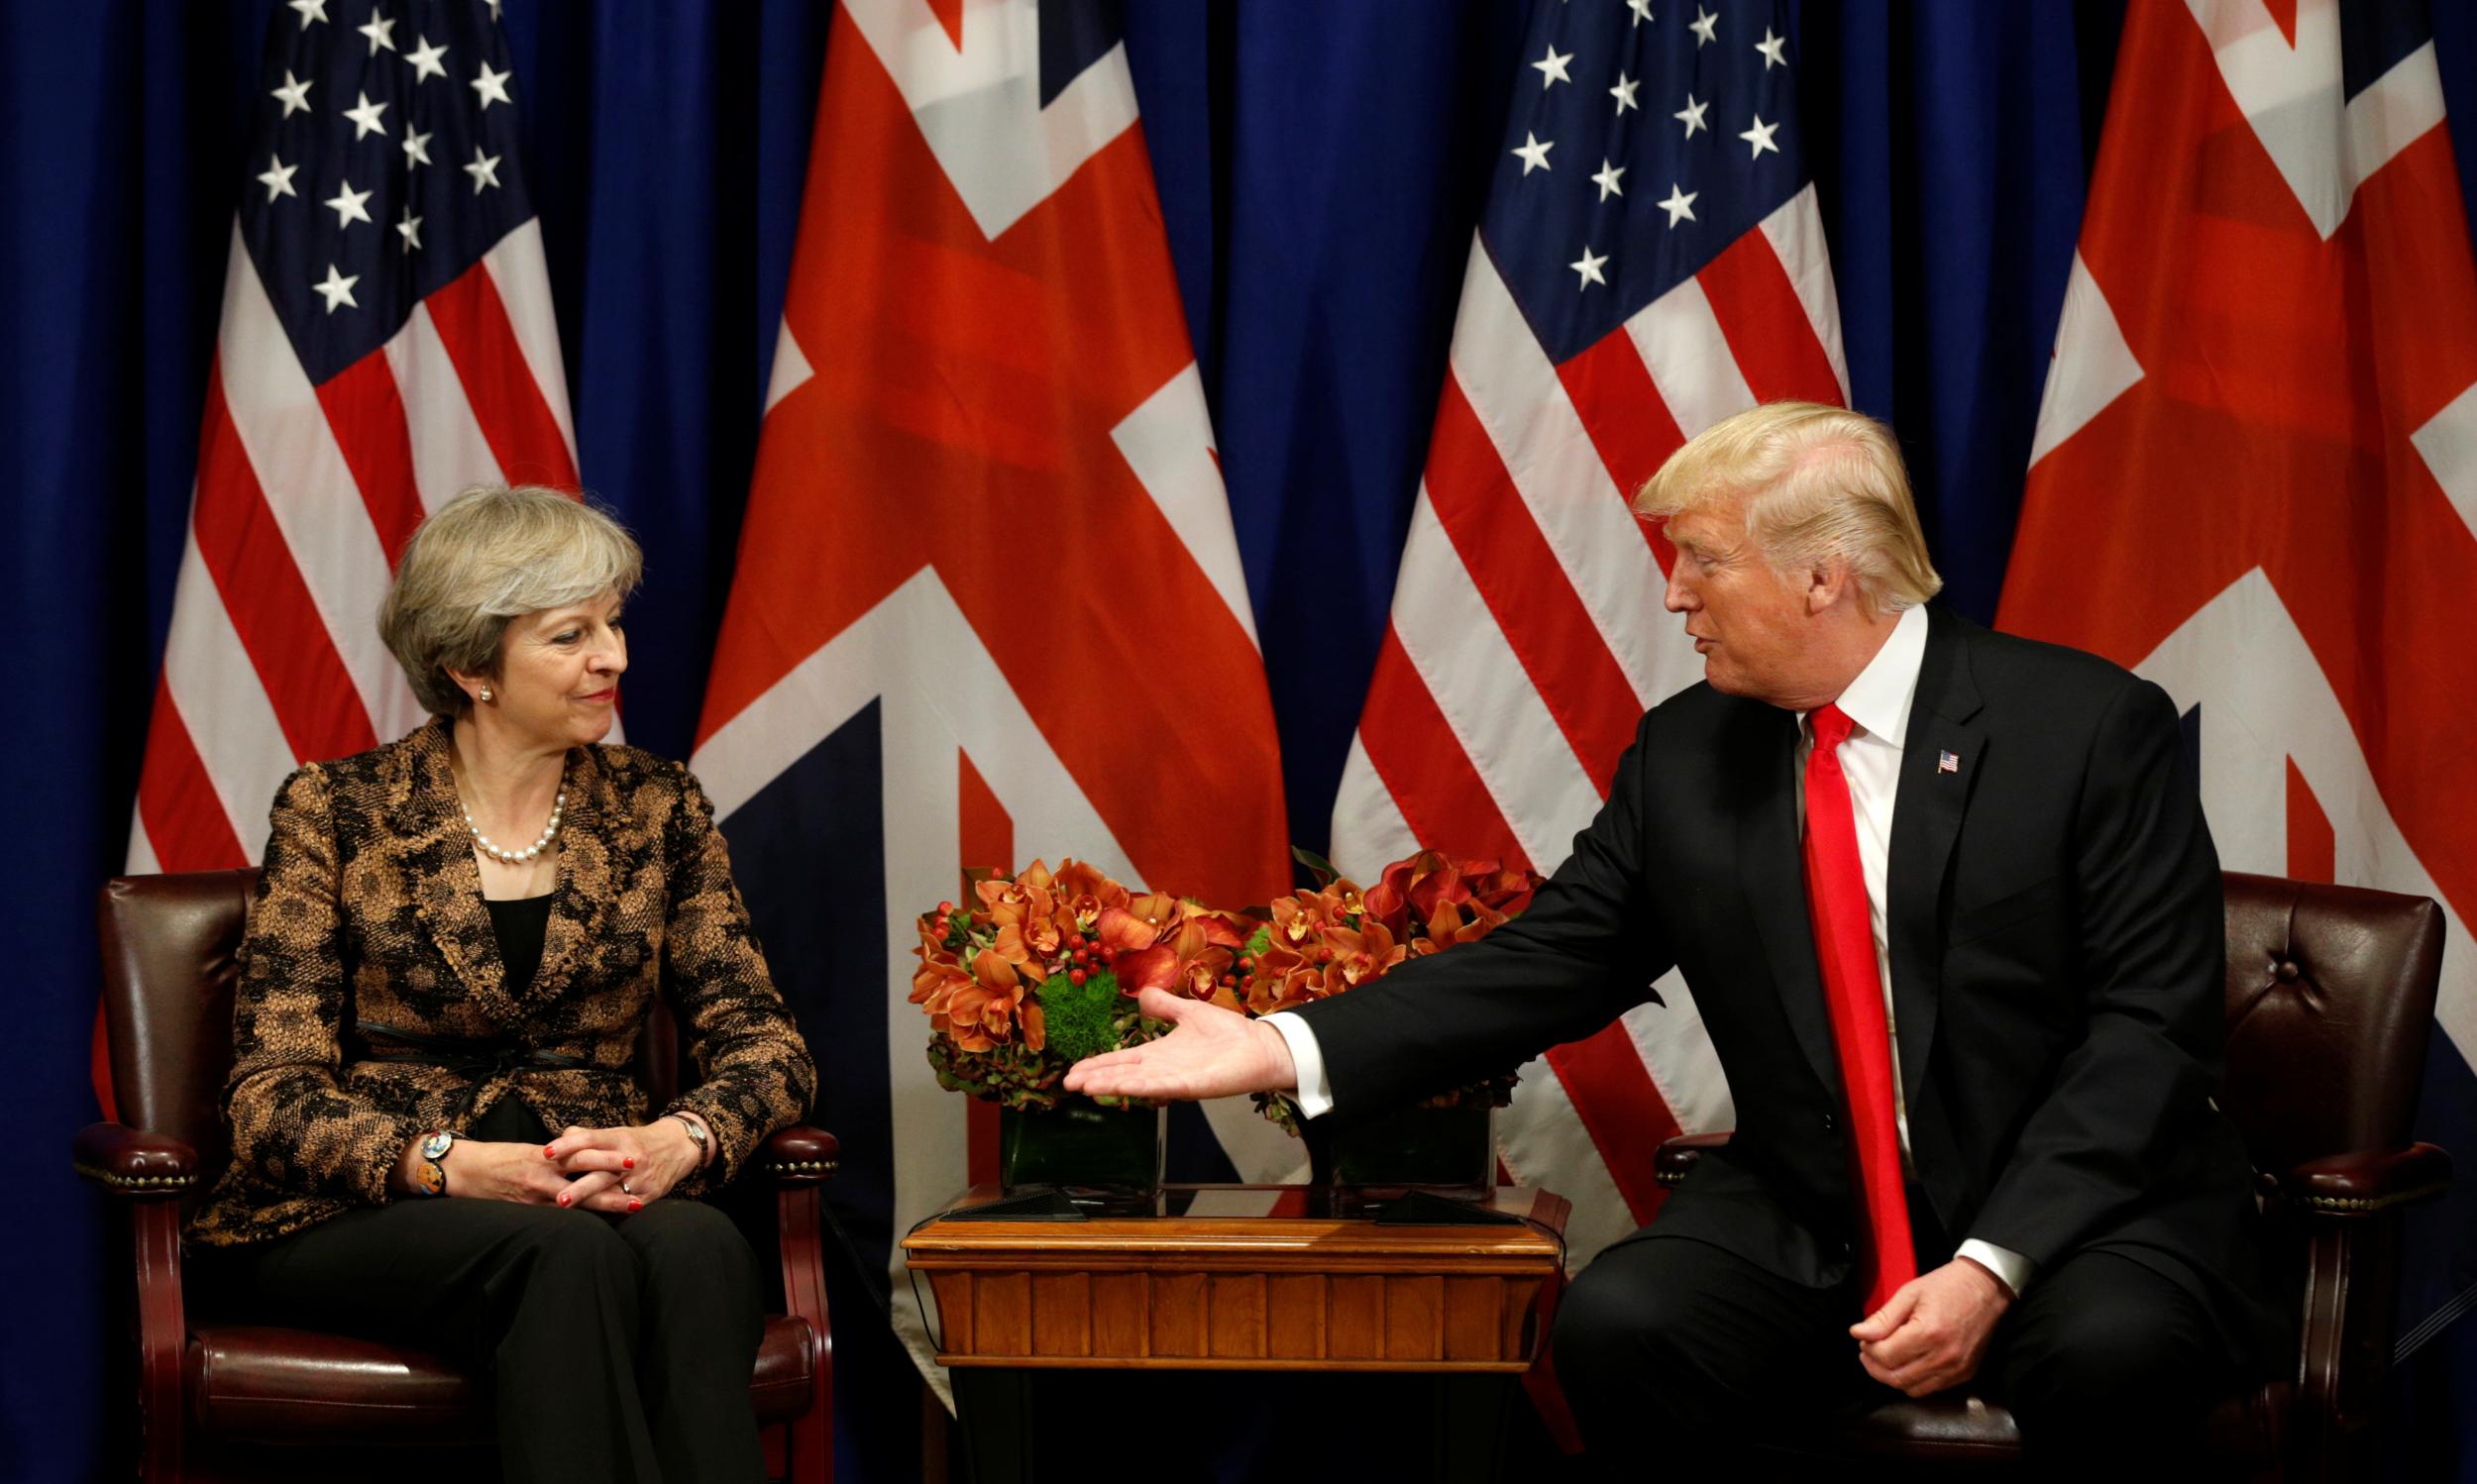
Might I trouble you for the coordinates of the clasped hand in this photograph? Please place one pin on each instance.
(1932, 1332)
(581, 1168)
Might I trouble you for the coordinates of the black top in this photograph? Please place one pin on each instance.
(521, 925)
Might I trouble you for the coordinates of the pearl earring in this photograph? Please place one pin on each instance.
(485, 692)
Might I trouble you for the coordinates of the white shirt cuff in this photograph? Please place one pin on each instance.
(2009, 1266)
(1314, 1094)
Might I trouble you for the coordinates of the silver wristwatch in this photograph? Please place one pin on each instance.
(695, 1135)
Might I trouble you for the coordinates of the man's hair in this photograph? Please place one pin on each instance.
(1818, 482)
(489, 555)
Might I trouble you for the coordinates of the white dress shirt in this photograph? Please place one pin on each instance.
(1878, 704)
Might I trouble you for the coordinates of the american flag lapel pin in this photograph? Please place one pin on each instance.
(1948, 762)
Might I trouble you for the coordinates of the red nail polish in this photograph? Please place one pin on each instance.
(628, 1163)
(636, 1206)
(563, 1197)
(549, 1154)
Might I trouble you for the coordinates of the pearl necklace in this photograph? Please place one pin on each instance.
(506, 856)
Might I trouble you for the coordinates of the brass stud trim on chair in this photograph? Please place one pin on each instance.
(800, 1166)
(2365, 1205)
(119, 1182)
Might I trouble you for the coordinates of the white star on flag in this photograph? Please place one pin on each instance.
(1642, 10)
(1706, 28)
(1692, 115)
(309, 10)
(347, 205)
(1552, 69)
(279, 178)
(381, 33)
(425, 59)
(410, 229)
(483, 170)
(1761, 137)
(1623, 92)
(1534, 152)
(1680, 205)
(1772, 48)
(365, 117)
(338, 289)
(492, 86)
(1589, 268)
(1607, 180)
(417, 149)
(294, 93)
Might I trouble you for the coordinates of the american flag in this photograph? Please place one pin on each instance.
(387, 340)
(989, 604)
(2255, 475)
(1650, 261)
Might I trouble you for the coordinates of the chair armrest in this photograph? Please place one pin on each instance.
(134, 1163)
(2365, 1180)
(799, 1160)
(798, 1155)
(148, 1173)
(1678, 1158)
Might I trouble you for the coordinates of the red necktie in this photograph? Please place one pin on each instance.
(1853, 991)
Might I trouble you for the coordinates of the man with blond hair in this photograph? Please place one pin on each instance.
(1953, 920)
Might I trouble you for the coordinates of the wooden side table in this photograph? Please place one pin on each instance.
(1193, 1290)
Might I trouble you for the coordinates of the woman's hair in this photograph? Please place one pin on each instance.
(489, 555)
(1819, 483)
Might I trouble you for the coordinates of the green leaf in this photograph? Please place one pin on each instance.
(1316, 866)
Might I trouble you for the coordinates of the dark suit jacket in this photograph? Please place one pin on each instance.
(2057, 954)
(368, 908)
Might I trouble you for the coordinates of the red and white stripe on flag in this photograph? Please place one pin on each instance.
(1526, 638)
(310, 481)
(987, 516)
(2255, 474)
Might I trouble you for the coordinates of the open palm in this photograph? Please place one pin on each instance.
(1210, 1053)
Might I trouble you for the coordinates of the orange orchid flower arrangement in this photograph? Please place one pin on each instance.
(1313, 945)
(1041, 968)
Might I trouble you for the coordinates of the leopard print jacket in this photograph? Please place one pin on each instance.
(369, 909)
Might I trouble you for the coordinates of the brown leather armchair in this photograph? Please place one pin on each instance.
(170, 952)
(2330, 997)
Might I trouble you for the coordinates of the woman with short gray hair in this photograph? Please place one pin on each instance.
(455, 945)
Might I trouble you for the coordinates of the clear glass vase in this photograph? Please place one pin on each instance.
(1100, 1155)
(1446, 1151)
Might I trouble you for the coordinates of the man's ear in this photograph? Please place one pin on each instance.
(1826, 581)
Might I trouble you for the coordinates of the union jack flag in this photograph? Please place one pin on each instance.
(1650, 261)
(387, 340)
(989, 603)
(2255, 472)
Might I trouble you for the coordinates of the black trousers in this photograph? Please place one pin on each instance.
(621, 1348)
(1674, 1352)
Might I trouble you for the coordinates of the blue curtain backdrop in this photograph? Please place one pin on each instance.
(1319, 169)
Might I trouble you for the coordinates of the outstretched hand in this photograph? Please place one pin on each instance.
(1210, 1053)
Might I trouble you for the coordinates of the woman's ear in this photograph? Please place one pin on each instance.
(477, 687)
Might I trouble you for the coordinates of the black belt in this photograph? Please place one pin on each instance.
(468, 1056)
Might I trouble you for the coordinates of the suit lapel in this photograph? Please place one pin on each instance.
(436, 854)
(1939, 765)
(1771, 869)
